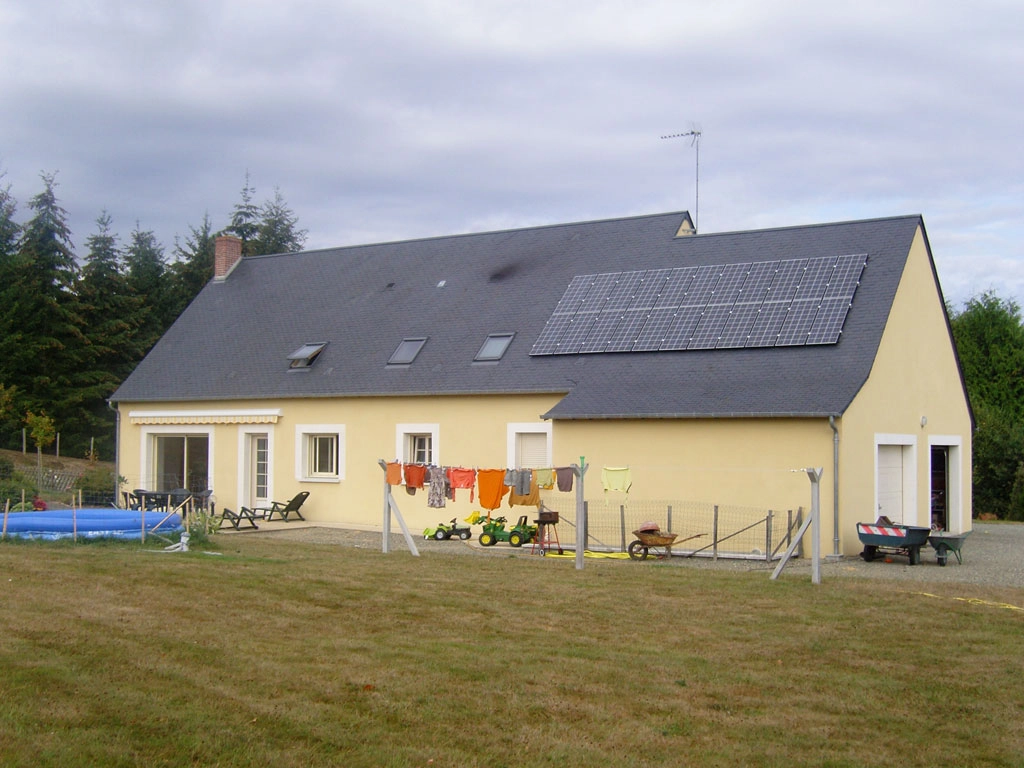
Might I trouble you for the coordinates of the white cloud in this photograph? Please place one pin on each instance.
(382, 121)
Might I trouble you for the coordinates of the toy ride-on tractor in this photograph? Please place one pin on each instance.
(446, 531)
(494, 530)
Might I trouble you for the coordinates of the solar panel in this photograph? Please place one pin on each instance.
(600, 288)
(797, 326)
(576, 333)
(749, 298)
(738, 326)
(651, 285)
(787, 302)
(679, 334)
(720, 303)
(709, 330)
(658, 324)
(626, 332)
(785, 279)
(828, 323)
(621, 294)
(600, 332)
(673, 289)
(574, 295)
(845, 277)
(548, 341)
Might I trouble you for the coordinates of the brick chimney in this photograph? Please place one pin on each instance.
(227, 251)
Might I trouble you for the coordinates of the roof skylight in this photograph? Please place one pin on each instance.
(306, 355)
(407, 351)
(494, 347)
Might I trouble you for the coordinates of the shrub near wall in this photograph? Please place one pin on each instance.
(13, 483)
(98, 487)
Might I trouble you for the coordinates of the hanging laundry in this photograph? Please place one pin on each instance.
(462, 478)
(492, 487)
(436, 497)
(616, 479)
(415, 475)
(565, 476)
(545, 478)
(529, 499)
(520, 480)
(393, 474)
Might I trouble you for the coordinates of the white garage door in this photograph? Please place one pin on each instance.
(890, 482)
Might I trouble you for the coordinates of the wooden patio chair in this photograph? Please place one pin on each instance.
(284, 511)
(236, 519)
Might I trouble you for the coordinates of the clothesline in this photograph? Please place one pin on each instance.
(522, 486)
(490, 486)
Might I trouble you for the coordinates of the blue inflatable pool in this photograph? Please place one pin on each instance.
(89, 523)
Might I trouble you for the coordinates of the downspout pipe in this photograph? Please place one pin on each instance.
(835, 487)
(117, 451)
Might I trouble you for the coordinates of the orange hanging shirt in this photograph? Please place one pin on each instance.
(492, 487)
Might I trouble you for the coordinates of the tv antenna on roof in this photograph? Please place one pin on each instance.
(694, 134)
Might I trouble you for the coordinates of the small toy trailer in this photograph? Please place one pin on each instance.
(892, 539)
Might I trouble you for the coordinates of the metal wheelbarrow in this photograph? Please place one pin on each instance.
(648, 540)
(944, 542)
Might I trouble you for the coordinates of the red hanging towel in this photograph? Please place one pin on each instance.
(462, 478)
(415, 475)
(492, 487)
(393, 474)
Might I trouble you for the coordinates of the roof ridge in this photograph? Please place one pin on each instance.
(820, 225)
(484, 233)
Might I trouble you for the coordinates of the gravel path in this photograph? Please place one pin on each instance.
(993, 556)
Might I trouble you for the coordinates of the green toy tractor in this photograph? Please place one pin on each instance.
(494, 530)
(446, 531)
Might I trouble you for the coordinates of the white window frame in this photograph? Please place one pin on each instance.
(954, 478)
(517, 428)
(245, 460)
(147, 449)
(304, 434)
(403, 438)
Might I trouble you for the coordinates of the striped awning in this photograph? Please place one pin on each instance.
(257, 416)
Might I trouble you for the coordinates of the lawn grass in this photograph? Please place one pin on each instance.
(279, 653)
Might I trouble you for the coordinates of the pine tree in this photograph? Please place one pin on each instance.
(277, 231)
(146, 277)
(245, 218)
(10, 414)
(112, 316)
(9, 228)
(40, 321)
(192, 268)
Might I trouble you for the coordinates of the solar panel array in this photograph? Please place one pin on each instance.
(782, 303)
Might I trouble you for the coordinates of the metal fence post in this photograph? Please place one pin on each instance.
(714, 536)
(580, 470)
(668, 517)
(768, 536)
(622, 527)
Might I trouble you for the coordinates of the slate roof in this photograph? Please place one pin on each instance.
(233, 341)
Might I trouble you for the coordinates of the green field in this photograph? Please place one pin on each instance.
(277, 653)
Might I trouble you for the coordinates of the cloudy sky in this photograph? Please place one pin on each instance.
(390, 120)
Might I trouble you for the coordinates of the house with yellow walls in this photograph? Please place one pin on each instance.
(712, 367)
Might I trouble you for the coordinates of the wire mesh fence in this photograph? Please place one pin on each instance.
(703, 529)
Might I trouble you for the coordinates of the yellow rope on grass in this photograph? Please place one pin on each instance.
(974, 601)
(589, 553)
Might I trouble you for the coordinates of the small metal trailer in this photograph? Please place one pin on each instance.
(892, 539)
